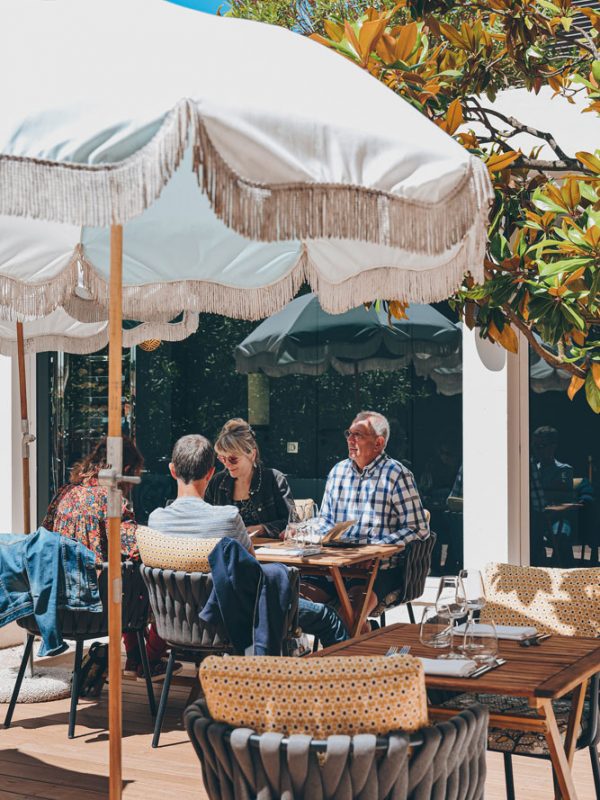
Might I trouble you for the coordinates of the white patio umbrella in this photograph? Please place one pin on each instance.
(309, 169)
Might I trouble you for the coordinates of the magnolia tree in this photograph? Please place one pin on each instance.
(450, 60)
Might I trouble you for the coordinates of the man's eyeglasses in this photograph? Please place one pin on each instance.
(358, 435)
(232, 460)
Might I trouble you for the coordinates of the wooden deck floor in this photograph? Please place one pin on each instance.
(38, 761)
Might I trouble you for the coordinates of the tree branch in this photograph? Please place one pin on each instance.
(519, 127)
(591, 45)
(548, 357)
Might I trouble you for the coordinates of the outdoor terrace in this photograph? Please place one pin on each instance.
(38, 761)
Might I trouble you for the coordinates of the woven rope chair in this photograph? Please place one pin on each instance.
(414, 566)
(446, 760)
(562, 601)
(81, 626)
(177, 598)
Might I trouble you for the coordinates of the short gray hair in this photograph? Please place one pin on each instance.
(377, 421)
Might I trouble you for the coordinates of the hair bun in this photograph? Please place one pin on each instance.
(236, 425)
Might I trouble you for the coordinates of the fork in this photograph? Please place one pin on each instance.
(398, 651)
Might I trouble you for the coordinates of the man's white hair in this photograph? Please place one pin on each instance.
(377, 421)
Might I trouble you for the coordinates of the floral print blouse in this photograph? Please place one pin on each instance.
(78, 511)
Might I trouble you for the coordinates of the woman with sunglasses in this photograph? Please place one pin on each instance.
(261, 494)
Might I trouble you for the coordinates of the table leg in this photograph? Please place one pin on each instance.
(366, 598)
(346, 610)
(577, 703)
(561, 765)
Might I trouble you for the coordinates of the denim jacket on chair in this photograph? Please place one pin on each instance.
(43, 573)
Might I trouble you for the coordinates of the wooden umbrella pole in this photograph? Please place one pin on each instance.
(26, 438)
(115, 459)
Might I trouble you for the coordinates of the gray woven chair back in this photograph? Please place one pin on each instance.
(414, 567)
(85, 625)
(449, 764)
(177, 598)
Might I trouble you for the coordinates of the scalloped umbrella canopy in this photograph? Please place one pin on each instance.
(304, 339)
(543, 377)
(243, 159)
(60, 331)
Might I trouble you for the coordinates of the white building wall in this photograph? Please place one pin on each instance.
(11, 488)
(495, 452)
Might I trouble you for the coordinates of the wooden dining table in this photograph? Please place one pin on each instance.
(340, 564)
(540, 674)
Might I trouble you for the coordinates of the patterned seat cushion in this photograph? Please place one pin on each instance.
(519, 743)
(318, 697)
(180, 553)
(560, 601)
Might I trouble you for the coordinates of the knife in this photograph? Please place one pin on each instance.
(487, 667)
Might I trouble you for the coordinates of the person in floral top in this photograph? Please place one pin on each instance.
(79, 511)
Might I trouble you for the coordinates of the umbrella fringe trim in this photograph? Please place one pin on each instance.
(299, 211)
(166, 332)
(22, 299)
(99, 195)
(408, 286)
(161, 301)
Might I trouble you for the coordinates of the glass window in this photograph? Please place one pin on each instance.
(564, 442)
(193, 386)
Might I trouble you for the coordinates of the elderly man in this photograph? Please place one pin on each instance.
(378, 492)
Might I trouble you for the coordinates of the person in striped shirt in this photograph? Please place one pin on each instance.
(379, 493)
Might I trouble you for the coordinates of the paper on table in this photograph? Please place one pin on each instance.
(512, 632)
(288, 551)
(449, 667)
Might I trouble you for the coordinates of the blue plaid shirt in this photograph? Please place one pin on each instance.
(383, 499)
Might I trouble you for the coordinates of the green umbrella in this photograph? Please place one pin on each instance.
(304, 339)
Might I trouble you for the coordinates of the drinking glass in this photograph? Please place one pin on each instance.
(474, 590)
(480, 642)
(436, 629)
(292, 534)
(451, 602)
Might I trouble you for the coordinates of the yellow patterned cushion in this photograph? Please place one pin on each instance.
(165, 551)
(563, 601)
(319, 697)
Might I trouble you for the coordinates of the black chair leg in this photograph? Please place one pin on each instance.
(508, 776)
(19, 681)
(163, 699)
(411, 613)
(146, 668)
(75, 687)
(382, 620)
(315, 646)
(595, 768)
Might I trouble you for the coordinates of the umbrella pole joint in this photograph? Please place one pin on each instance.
(26, 438)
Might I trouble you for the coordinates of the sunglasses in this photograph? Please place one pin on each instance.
(231, 460)
(358, 435)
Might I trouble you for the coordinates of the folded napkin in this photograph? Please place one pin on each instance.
(513, 632)
(449, 667)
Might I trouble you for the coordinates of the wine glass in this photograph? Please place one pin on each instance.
(474, 590)
(480, 642)
(436, 629)
(451, 602)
